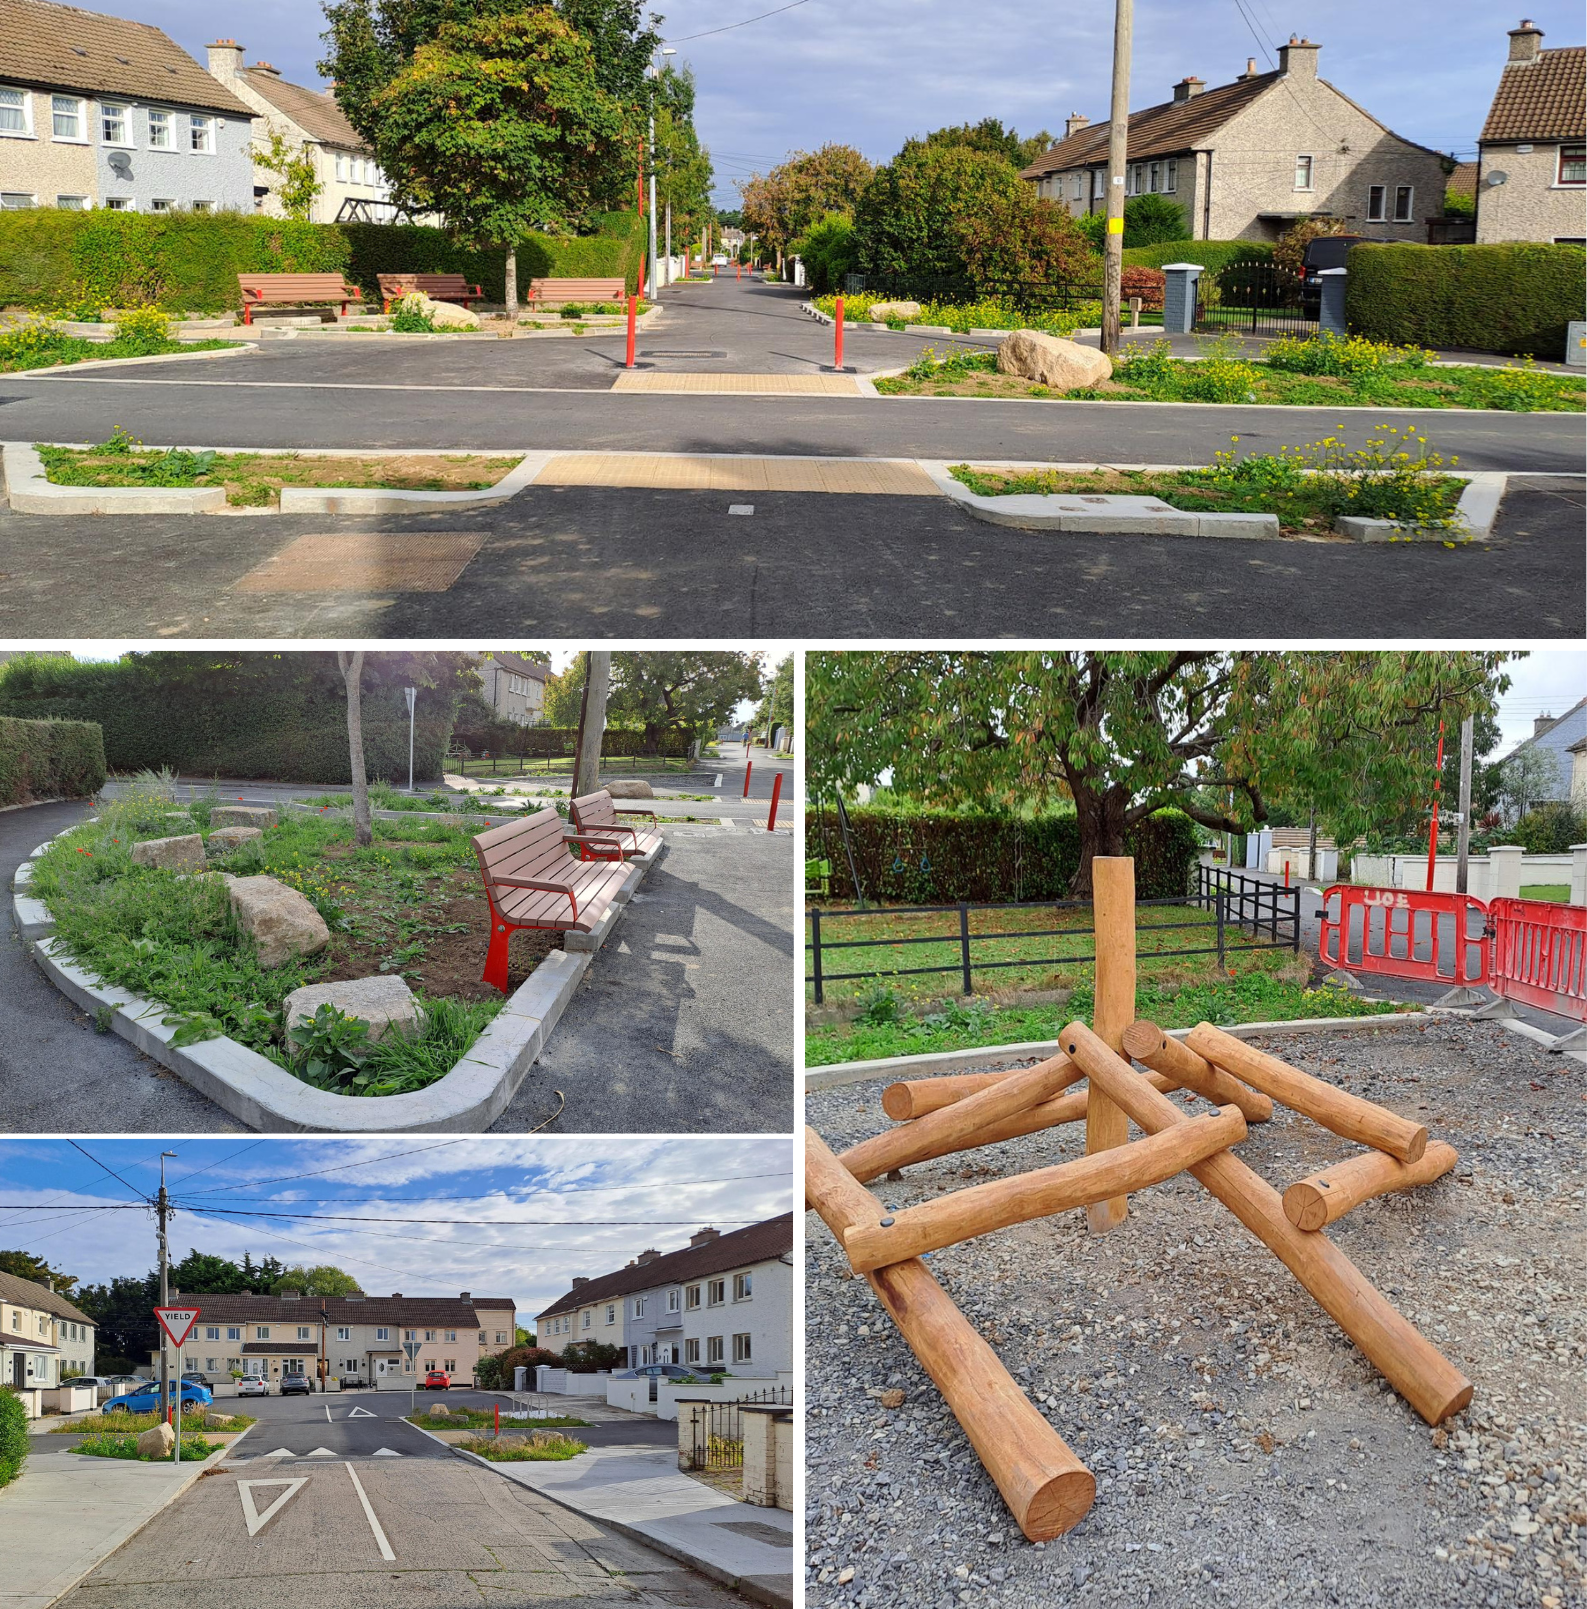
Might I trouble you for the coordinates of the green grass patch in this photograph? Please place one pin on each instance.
(1558, 892)
(990, 313)
(383, 796)
(22, 349)
(1251, 997)
(520, 1450)
(481, 1418)
(123, 1423)
(194, 1449)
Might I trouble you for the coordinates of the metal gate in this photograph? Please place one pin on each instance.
(716, 1439)
(1405, 933)
(1256, 297)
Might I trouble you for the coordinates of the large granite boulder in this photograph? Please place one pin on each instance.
(279, 920)
(181, 854)
(157, 1441)
(881, 312)
(442, 315)
(383, 1002)
(1051, 361)
(260, 816)
(439, 1410)
(219, 1421)
(629, 788)
(227, 840)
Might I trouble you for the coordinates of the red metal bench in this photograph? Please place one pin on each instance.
(532, 879)
(595, 817)
(294, 290)
(438, 287)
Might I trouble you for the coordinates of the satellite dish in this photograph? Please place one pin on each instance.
(121, 164)
(1498, 176)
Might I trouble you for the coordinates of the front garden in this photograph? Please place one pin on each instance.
(410, 905)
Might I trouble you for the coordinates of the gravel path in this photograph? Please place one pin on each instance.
(1246, 1454)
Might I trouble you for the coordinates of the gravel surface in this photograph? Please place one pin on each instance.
(1245, 1452)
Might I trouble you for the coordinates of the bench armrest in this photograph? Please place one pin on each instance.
(650, 813)
(594, 836)
(613, 830)
(548, 885)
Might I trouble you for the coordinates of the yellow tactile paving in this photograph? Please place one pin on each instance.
(766, 385)
(685, 473)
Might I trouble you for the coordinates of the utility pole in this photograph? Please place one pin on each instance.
(1463, 840)
(1118, 149)
(654, 283)
(163, 1214)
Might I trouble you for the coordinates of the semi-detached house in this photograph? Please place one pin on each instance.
(44, 1339)
(721, 1302)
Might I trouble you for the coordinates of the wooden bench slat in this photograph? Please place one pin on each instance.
(577, 290)
(596, 815)
(279, 290)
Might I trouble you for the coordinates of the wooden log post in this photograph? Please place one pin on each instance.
(1344, 1114)
(1432, 1385)
(1316, 1202)
(1046, 1487)
(893, 1236)
(915, 1097)
(1113, 909)
(951, 1128)
(1150, 1046)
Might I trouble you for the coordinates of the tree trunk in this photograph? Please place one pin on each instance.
(592, 722)
(351, 666)
(511, 294)
(1101, 817)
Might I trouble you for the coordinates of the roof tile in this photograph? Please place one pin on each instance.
(1544, 99)
(313, 110)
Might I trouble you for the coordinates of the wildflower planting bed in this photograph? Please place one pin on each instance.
(122, 1423)
(41, 343)
(410, 903)
(194, 1449)
(991, 313)
(523, 1450)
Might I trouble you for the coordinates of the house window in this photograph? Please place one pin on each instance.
(691, 1297)
(66, 117)
(483, 1338)
(639, 1307)
(162, 204)
(1171, 175)
(14, 108)
(344, 1334)
(113, 124)
(304, 1332)
(1154, 180)
(409, 1335)
(741, 1349)
(234, 1332)
(589, 1318)
(715, 1292)
(1077, 187)
(673, 1300)
(201, 133)
(611, 1312)
(1402, 203)
(713, 1349)
(209, 1366)
(743, 1287)
(159, 131)
(429, 1335)
(382, 1334)
(449, 1364)
(261, 1332)
(1376, 194)
(501, 1338)
(451, 1335)
(212, 1333)
(120, 204)
(1572, 163)
(691, 1351)
(1303, 173)
(341, 166)
(203, 206)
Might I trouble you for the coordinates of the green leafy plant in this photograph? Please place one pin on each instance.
(141, 331)
(13, 1435)
(1327, 353)
(410, 318)
(299, 186)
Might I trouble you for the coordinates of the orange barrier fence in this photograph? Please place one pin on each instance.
(1405, 933)
(1539, 955)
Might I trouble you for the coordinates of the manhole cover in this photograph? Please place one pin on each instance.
(664, 352)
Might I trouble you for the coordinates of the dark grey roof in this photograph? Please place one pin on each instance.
(29, 1293)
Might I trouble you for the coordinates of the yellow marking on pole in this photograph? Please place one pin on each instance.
(1115, 226)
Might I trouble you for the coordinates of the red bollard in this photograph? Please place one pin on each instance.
(738, 270)
(633, 323)
(837, 337)
(748, 767)
(498, 1421)
(776, 794)
(1286, 874)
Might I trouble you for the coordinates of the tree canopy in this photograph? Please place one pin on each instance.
(781, 205)
(321, 1280)
(679, 690)
(1124, 735)
(990, 136)
(24, 1265)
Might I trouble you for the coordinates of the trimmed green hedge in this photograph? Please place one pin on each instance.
(1211, 254)
(536, 742)
(13, 1435)
(1514, 298)
(51, 259)
(934, 858)
(50, 760)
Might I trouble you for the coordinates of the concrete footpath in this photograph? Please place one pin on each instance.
(640, 1492)
(65, 1514)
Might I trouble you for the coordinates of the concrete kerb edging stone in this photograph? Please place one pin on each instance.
(253, 1089)
(1476, 511)
(953, 1061)
(128, 363)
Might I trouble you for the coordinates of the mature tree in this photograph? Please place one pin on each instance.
(1150, 220)
(1484, 773)
(1128, 734)
(321, 1280)
(681, 691)
(827, 250)
(297, 186)
(683, 165)
(24, 1265)
(990, 136)
(123, 1315)
(565, 695)
(776, 707)
(351, 664)
(1525, 779)
(199, 1273)
(592, 721)
(780, 205)
(730, 220)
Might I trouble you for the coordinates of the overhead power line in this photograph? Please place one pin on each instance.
(732, 25)
(111, 1171)
(475, 1223)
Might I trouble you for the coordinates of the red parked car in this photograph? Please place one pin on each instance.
(437, 1380)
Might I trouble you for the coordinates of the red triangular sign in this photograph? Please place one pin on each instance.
(177, 1322)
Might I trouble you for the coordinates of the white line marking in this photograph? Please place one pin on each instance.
(327, 1413)
(320, 1452)
(280, 1452)
(369, 1514)
(384, 1452)
(256, 1521)
(362, 1413)
(718, 782)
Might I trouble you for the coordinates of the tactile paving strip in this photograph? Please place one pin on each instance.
(682, 472)
(367, 561)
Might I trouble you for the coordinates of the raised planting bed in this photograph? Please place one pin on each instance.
(42, 345)
(963, 318)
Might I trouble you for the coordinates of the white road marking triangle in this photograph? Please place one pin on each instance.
(280, 1452)
(384, 1452)
(362, 1413)
(320, 1452)
(255, 1520)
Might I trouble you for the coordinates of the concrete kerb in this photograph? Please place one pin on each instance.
(253, 1089)
(953, 1061)
(1476, 511)
(129, 363)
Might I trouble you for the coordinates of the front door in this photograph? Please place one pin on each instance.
(19, 1369)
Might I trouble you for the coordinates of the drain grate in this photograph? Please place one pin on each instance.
(373, 561)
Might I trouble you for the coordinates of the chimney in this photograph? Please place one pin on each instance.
(1540, 723)
(396, 1296)
(1526, 42)
(1250, 67)
(647, 1256)
(704, 1237)
(265, 67)
(463, 1296)
(1298, 59)
(1188, 86)
(225, 59)
(1075, 122)
(580, 1279)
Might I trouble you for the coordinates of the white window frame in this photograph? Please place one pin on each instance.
(451, 1335)
(1377, 203)
(234, 1332)
(611, 1312)
(589, 1318)
(200, 134)
(742, 1348)
(691, 1297)
(1171, 176)
(341, 168)
(25, 107)
(639, 1307)
(1409, 214)
(713, 1350)
(78, 110)
(715, 1292)
(201, 206)
(162, 204)
(383, 1333)
(120, 204)
(212, 1333)
(1305, 173)
(1560, 182)
(344, 1333)
(674, 1301)
(501, 1338)
(261, 1332)
(305, 1333)
(1154, 177)
(744, 1286)
(122, 113)
(691, 1350)
(163, 126)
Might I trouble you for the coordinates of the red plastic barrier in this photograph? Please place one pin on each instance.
(1539, 955)
(1405, 933)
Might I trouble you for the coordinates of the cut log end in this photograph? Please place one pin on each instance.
(1417, 1148)
(1059, 1506)
(898, 1102)
(1142, 1039)
(1306, 1206)
(1455, 1404)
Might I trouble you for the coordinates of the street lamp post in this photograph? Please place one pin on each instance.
(410, 693)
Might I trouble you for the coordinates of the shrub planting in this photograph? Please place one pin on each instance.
(50, 760)
(13, 1435)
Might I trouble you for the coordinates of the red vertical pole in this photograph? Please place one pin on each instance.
(1286, 874)
(498, 1421)
(748, 767)
(633, 319)
(776, 794)
(1438, 783)
(837, 337)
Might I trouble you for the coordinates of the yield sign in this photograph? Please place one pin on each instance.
(255, 1520)
(177, 1322)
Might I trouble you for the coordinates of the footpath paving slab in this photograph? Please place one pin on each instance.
(641, 1492)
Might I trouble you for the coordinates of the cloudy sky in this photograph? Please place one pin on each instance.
(821, 70)
(1546, 683)
(530, 1213)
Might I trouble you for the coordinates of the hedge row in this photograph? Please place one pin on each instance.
(1211, 254)
(1514, 298)
(932, 858)
(51, 259)
(50, 760)
(13, 1435)
(537, 742)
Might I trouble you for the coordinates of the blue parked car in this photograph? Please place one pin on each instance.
(148, 1400)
